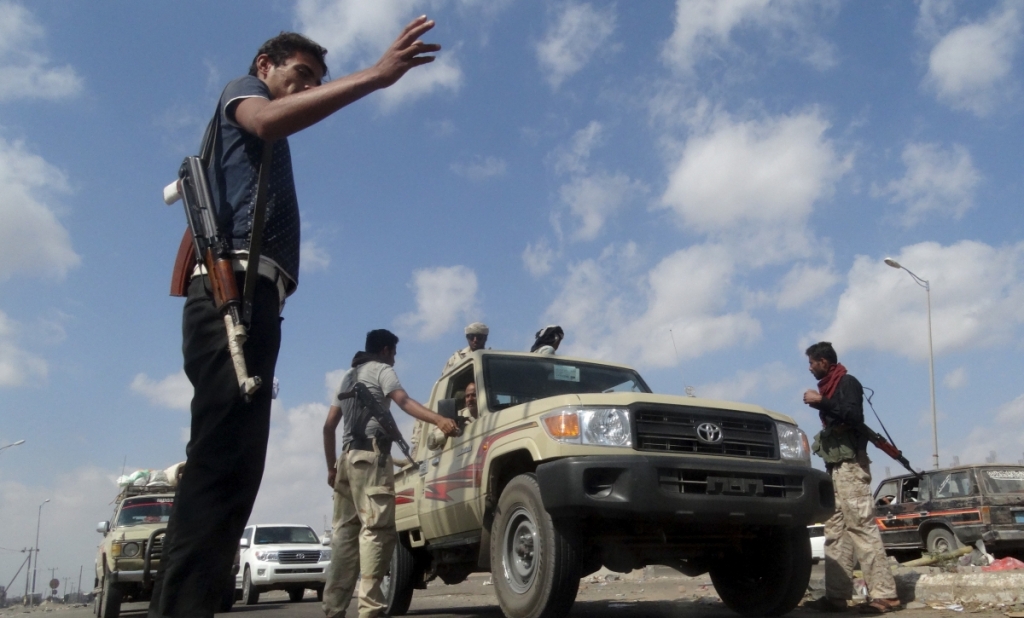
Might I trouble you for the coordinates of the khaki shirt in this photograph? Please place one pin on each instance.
(456, 358)
(436, 440)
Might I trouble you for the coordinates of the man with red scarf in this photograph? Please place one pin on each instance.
(851, 534)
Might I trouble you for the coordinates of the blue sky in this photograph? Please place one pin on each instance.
(697, 188)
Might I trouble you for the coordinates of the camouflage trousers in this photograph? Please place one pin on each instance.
(364, 535)
(851, 535)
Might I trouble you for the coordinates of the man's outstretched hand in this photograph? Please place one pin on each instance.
(406, 52)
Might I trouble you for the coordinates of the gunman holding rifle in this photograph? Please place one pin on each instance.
(851, 534)
(363, 527)
(283, 93)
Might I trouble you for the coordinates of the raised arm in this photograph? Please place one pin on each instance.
(306, 102)
(414, 409)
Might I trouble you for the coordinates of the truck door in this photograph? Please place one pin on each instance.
(447, 505)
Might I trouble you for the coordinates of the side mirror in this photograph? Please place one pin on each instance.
(326, 540)
(448, 408)
(103, 527)
(243, 543)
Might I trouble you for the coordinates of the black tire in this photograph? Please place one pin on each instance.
(112, 596)
(941, 541)
(250, 595)
(295, 594)
(768, 576)
(320, 594)
(398, 583)
(535, 563)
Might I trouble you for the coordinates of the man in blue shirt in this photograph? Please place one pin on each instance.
(283, 94)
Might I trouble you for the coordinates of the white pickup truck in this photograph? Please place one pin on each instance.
(574, 464)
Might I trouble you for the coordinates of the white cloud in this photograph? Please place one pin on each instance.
(357, 33)
(756, 182)
(174, 391)
(17, 367)
(26, 72)
(969, 68)
(32, 241)
(937, 181)
(977, 295)
(577, 35)
(1005, 436)
(705, 28)
(804, 283)
(313, 257)
(595, 198)
(616, 315)
(537, 258)
(773, 377)
(574, 158)
(79, 498)
(444, 296)
(481, 168)
(955, 379)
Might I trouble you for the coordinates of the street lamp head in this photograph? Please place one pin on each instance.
(891, 262)
(18, 442)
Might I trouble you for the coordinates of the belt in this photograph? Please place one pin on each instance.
(360, 444)
(266, 269)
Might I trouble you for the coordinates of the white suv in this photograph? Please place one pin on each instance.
(281, 557)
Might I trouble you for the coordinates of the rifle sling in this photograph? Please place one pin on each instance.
(259, 217)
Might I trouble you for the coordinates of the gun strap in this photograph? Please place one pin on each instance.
(259, 216)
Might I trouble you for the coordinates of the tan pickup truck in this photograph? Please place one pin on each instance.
(574, 464)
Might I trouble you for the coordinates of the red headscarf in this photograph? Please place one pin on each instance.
(827, 385)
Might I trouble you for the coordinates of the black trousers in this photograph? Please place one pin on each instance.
(226, 453)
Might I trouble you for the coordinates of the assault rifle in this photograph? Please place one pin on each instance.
(876, 438)
(382, 414)
(213, 251)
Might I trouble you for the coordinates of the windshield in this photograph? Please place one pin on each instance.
(1004, 481)
(284, 535)
(514, 380)
(145, 511)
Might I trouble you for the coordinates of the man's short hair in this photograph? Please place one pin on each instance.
(823, 350)
(284, 46)
(377, 340)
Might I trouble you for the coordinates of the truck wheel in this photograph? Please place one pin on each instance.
(398, 583)
(535, 565)
(320, 594)
(250, 595)
(941, 541)
(112, 596)
(295, 594)
(767, 576)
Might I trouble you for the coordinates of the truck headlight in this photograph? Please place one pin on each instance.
(266, 556)
(594, 426)
(130, 550)
(325, 555)
(793, 444)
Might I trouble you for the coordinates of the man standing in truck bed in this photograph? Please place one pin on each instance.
(228, 444)
(363, 479)
(851, 534)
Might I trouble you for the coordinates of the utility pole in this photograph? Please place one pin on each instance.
(79, 591)
(25, 600)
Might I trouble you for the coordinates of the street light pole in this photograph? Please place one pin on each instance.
(6, 446)
(931, 356)
(35, 566)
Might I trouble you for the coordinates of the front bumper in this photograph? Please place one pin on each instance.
(1003, 538)
(686, 490)
(274, 573)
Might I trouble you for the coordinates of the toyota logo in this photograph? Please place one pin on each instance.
(709, 432)
(300, 556)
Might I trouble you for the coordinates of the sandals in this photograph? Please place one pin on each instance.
(827, 605)
(881, 606)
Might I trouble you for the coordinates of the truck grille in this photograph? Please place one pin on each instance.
(157, 548)
(675, 431)
(728, 484)
(298, 557)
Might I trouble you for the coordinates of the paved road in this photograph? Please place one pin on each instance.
(651, 597)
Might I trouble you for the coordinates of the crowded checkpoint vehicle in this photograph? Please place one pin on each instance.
(286, 557)
(953, 507)
(575, 464)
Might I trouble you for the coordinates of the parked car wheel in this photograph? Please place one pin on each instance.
(534, 562)
(250, 595)
(941, 541)
(295, 594)
(767, 576)
(398, 583)
(112, 596)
